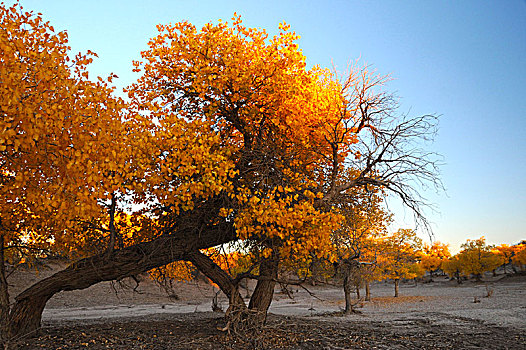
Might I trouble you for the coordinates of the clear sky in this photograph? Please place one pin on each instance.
(463, 60)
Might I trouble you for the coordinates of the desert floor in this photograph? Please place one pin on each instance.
(436, 315)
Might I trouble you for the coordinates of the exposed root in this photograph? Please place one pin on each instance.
(243, 322)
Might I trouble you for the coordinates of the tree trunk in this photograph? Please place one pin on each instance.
(244, 284)
(358, 292)
(26, 314)
(228, 286)
(397, 283)
(264, 291)
(457, 276)
(4, 294)
(367, 291)
(347, 291)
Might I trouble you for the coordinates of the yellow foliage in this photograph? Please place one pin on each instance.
(432, 256)
(519, 258)
(58, 131)
(399, 253)
(476, 257)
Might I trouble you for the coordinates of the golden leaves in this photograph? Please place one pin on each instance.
(55, 128)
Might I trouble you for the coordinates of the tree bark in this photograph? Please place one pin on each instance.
(457, 276)
(358, 292)
(225, 282)
(264, 291)
(4, 293)
(367, 291)
(26, 314)
(397, 283)
(347, 292)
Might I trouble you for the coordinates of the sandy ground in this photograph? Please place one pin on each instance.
(441, 314)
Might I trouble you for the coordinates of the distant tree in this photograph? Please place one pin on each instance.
(417, 271)
(370, 268)
(433, 256)
(452, 267)
(365, 221)
(399, 254)
(520, 256)
(506, 253)
(476, 258)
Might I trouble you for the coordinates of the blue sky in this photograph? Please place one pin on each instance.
(463, 60)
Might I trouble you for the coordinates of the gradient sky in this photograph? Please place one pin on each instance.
(462, 60)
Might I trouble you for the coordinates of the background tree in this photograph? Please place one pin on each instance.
(433, 256)
(506, 252)
(519, 258)
(365, 221)
(400, 252)
(453, 268)
(476, 258)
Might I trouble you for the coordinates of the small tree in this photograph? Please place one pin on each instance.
(520, 256)
(365, 221)
(433, 256)
(506, 253)
(476, 258)
(452, 267)
(400, 252)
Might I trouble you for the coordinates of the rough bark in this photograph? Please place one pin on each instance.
(349, 270)
(4, 293)
(457, 276)
(26, 314)
(227, 285)
(347, 288)
(264, 291)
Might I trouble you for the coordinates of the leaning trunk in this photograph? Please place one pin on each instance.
(26, 314)
(213, 271)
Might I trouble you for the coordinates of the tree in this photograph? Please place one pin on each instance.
(294, 134)
(433, 256)
(506, 253)
(453, 268)
(400, 252)
(520, 256)
(476, 258)
(365, 221)
(227, 138)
